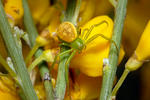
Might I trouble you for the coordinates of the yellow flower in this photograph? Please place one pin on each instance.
(85, 87)
(142, 51)
(7, 89)
(86, 11)
(47, 17)
(136, 19)
(38, 8)
(14, 11)
(43, 12)
(39, 89)
(50, 31)
(90, 60)
(92, 8)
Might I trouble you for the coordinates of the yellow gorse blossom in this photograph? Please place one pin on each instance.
(85, 87)
(142, 51)
(136, 19)
(39, 88)
(86, 11)
(38, 8)
(50, 31)
(14, 11)
(43, 12)
(90, 61)
(7, 89)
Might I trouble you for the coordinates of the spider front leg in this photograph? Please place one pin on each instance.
(103, 36)
(84, 32)
(92, 27)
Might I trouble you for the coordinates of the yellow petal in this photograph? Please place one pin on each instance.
(90, 60)
(38, 7)
(7, 89)
(47, 17)
(143, 49)
(105, 29)
(39, 89)
(14, 10)
(85, 88)
(86, 11)
(136, 19)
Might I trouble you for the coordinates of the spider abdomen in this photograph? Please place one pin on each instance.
(67, 32)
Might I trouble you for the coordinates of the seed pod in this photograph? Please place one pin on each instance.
(67, 32)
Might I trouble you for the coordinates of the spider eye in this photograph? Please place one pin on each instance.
(67, 32)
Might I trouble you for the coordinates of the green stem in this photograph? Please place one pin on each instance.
(119, 83)
(6, 66)
(76, 13)
(35, 63)
(61, 80)
(113, 2)
(71, 15)
(31, 29)
(16, 56)
(31, 53)
(72, 11)
(43, 67)
(67, 51)
(108, 77)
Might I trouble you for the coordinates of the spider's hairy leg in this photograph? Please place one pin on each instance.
(92, 27)
(103, 36)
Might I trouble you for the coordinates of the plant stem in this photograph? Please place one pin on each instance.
(35, 63)
(16, 56)
(31, 53)
(31, 29)
(119, 83)
(6, 66)
(113, 2)
(109, 75)
(43, 67)
(61, 81)
(71, 15)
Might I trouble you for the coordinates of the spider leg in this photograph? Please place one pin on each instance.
(86, 29)
(55, 59)
(92, 27)
(54, 62)
(67, 64)
(103, 36)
